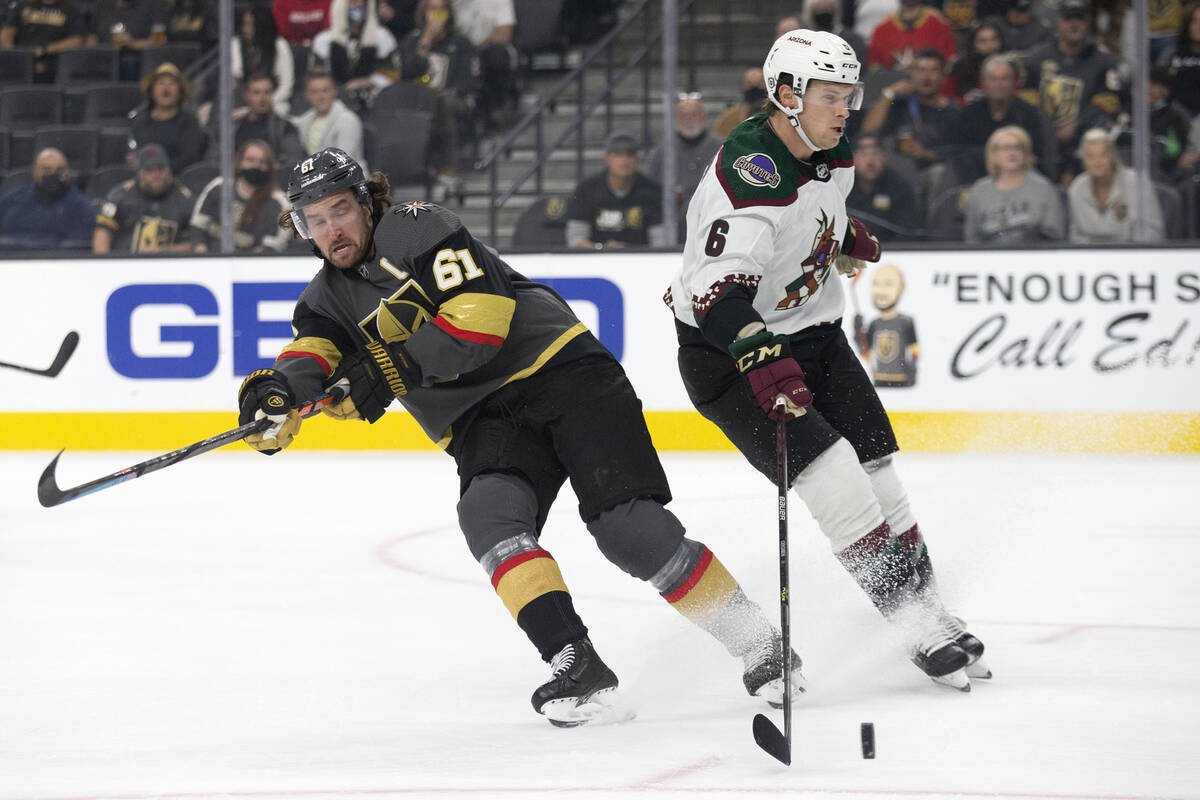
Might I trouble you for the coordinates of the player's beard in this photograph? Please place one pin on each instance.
(348, 256)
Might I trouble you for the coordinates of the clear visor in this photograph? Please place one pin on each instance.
(333, 209)
(834, 95)
(299, 223)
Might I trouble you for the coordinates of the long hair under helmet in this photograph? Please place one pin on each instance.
(801, 56)
(321, 175)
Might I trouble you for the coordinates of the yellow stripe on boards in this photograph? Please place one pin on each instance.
(942, 432)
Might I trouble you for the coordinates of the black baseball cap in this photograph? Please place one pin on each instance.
(620, 140)
(1074, 9)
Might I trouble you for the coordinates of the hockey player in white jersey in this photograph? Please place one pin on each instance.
(758, 307)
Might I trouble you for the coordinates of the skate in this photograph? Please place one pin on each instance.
(936, 653)
(976, 666)
(763, 675)
(581, 690)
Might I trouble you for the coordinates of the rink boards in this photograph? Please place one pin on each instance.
(1038, 350)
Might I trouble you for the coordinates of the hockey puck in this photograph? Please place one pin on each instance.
(867, 731)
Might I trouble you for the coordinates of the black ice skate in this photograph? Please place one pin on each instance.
(939, 656)
(581, 690)
(764, 672)
(976, 666)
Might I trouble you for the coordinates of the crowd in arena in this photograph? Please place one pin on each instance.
(984, 121)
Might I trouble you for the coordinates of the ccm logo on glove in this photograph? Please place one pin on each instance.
(765, 359)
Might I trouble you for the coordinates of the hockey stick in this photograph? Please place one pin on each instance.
(64, 352)
(766, 734)
(50, 495)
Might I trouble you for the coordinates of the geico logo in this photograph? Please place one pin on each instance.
(182, 330)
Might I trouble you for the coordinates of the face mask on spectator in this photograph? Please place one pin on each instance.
(51, 187)
(823, 20)
(255, 176)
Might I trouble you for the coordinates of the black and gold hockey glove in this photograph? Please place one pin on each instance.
(265, 393)
(378, 374)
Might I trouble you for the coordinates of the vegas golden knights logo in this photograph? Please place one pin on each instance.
(887, 346)
(1059, 95)
(399, 316)
(152, 234)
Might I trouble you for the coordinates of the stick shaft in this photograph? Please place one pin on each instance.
(50, 495)
(785, 616)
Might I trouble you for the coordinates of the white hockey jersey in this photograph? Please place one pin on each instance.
(763, 221)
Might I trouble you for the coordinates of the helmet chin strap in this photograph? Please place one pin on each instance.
(793, 117)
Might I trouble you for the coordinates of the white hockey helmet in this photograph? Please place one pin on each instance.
(805, 56)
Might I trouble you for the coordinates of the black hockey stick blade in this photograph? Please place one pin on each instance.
(770, 739)
(65, 350)
(50, 495)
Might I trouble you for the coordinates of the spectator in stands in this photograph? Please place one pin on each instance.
(998, 107)
(985, 40)
(1191, 152)
(489, 26)
(328, 122)
(916, 115)
(47, 27)
(786, 24)
(147, 214)
(398, 16)
(825, 15)
(298, 21)
(192, 21)
(881, 195)
(259, 49)
(257, 203)
(354, 45)
(165, 121)
(1022, 29)
(1076, 82)
(619, 207)
(1170, 127)
(50, 213)
(910, 30)
(1102, 199)
(439, 56)
(130, 26)
(694, 151)
(1183, 60)
(258, 120)
(754, 92)
(1013, 204)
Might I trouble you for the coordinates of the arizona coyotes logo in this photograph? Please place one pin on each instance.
(814, 268)
(399, 316)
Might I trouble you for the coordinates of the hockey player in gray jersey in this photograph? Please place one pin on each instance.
(502, 375)
(758, 310)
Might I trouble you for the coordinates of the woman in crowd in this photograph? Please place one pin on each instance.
(1013, 204)
(257, 202)
(986, 39)
(1183, 60)
(1102, 200)
(260, 48)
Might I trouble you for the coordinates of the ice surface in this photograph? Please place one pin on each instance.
(312, 626)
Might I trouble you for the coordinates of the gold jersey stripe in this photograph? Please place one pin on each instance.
(317, 346)
(526, 582)
(548, 353)
(488, 314)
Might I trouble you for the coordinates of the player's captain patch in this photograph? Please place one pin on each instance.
(757, 169)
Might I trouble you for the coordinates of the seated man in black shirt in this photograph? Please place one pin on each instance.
(165, 121)
(146, 214)
(914, 113)
(998, 107)
(46, 26)
(258, 120)
(619, 207)
(882, 196)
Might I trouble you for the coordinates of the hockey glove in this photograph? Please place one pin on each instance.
(860, 243)
(378, 374)
(765, 359)
(265, 393)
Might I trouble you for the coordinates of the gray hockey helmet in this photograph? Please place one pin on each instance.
(320, 175)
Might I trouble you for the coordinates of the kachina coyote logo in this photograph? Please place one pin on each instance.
(814, 268)
(757, 169)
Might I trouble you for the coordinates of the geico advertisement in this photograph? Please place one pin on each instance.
(1026, 330)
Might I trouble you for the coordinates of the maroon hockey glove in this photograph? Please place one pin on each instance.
(765, 359)
(863, 244)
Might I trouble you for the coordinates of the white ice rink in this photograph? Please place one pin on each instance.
(312, 626)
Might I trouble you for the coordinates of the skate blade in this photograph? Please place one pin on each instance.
(979, 670)
(772, 691)
(602, 708)
(955, 680)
